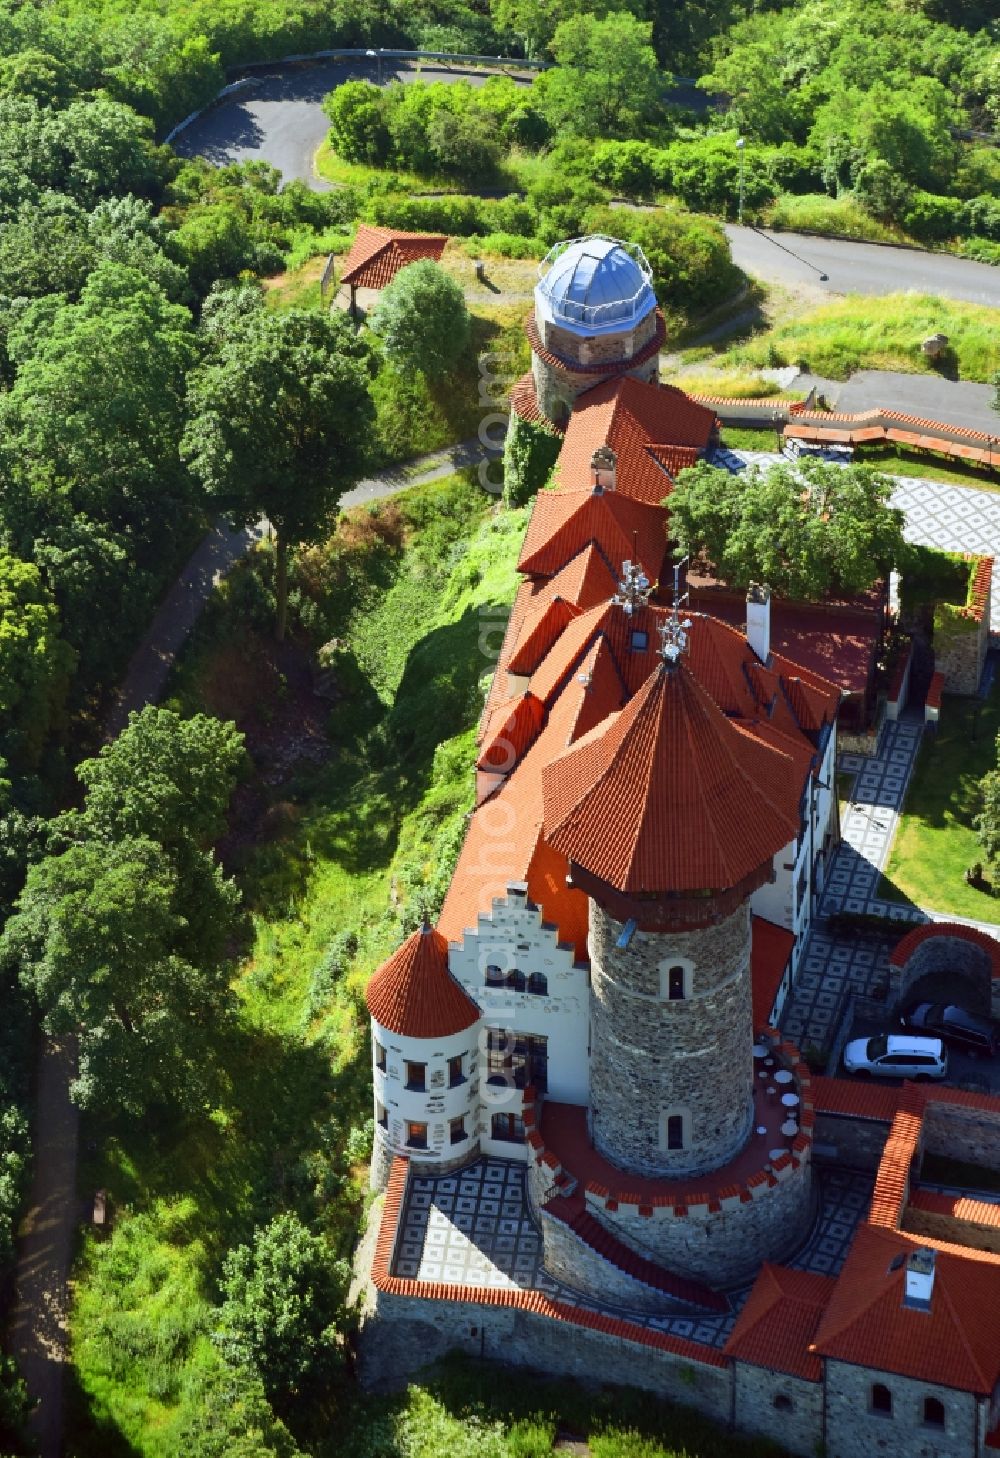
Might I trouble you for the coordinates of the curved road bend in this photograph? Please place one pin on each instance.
(278, 118)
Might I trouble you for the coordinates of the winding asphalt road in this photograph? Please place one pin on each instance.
(278, 117)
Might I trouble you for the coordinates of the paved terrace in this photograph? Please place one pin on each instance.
(473, 1228)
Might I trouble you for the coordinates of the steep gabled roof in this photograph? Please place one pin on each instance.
(512, 734)
(670, 796)
(414, 994)
(779, 1321)
(542, 626)
(956, 1343)
(655, 430)
(377, 254)
(563, 522)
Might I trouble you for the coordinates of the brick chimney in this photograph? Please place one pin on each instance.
(919, 1279)
(759, 619)
(604, 469)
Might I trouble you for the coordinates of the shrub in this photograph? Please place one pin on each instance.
(931, 217)
(530, 452)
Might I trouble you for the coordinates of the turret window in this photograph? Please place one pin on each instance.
(881, 1399)
(380, 1058)
(494, 975)
(675, 1129)
(382, 1114)
(538, 983)
(516, 980)
(508, 1127)
(416, 1077)
(416, 1136)
(933, 1412)
(455, 1074)
(675, 981)
(458, 1130)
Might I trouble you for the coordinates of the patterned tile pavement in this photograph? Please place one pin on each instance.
(474, 1228)
(869, 824)
(833, 968)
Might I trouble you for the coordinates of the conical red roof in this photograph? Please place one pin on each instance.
(668, 796)
(414, 994)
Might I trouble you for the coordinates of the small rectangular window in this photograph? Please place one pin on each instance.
(640, 640)
(380, 1058)
(416, 1136)
(457, 1130)
(416, 1077)
(383, 1114)
(675, 984)
(675, 1132)
(455, 1075)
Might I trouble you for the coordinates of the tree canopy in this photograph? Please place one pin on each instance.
(123, 931)
(279, 416)
(422, 320)
(284, 1306)
(809, 529)
(606, 82)
(987, 822)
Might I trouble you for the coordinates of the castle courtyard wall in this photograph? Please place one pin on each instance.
(797, 1427)
(855, 1431)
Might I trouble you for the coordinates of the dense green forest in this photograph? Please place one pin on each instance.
(138, 355)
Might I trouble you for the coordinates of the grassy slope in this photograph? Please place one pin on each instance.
(935, 842)
(861, 332)
(299, 1070)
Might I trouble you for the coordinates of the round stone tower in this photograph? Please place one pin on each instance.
(595, 318)
(670, 815)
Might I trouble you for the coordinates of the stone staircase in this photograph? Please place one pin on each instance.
(571, 1210)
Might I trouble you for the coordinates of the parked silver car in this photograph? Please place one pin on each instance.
(897, 1055)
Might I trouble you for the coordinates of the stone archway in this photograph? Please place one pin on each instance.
(944, 959)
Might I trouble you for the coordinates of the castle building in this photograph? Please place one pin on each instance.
(583, 1053)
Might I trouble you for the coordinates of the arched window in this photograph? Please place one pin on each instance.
(494, 975)
(933, 1412)
(881, 1399)
(516, 979)
(675, 1131)
(782, 1402)
(538, 983)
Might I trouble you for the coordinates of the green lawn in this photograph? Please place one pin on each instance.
(935, 842)
(898, 461)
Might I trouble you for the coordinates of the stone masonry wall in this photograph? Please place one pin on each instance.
(854, 1431)
(853, 1143)
(797, 1428)
(404, 1334)
(651, 1055)
(599, 348)
(937, 1226)
(941, 955)
(726, 1242)
(570, 1259)
(558, 387)
(968, 1134)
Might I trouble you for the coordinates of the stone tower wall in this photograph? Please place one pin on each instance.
(611, 348)
(651, 1055)
(557, 387)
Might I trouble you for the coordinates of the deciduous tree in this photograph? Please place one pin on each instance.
(279, 419)
(422, 320)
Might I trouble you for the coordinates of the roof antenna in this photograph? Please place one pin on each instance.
(633, 589)
(674, 630)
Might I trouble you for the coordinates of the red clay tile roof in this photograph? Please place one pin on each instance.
(563, 522)
(655, 430)
(505, 745)
(771, 947)
(855, 1100)
(414, 994)
(956, 1343)
(906, 946)
(541, 628)
(377, 254)
(779, 1321)
(669, 795)
(933, 699)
